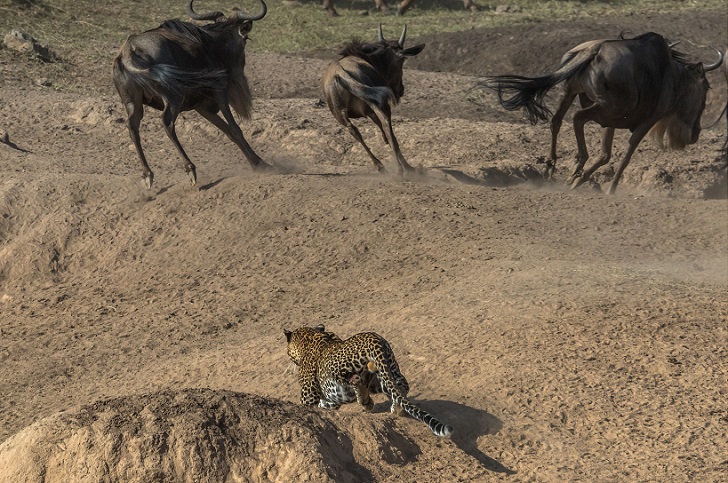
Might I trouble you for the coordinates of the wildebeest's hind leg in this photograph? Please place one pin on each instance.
(344, 119)
(329, 7)
(577, 178)
(591, 113)
(564, 105)
(376, 121)
(135, 113)
(233, 131)
(169, 116)
(385, 120)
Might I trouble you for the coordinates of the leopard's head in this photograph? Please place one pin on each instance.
(306, 340)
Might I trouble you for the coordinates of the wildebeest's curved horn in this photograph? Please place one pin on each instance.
(401, 37)
(381, 35)
(242, 16)
(708, 67)
(670, 46)
(202, 16)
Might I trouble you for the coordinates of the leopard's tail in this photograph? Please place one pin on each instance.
(387, 379)
(440, 429)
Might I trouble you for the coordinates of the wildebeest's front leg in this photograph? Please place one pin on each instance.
(169, 116)
(232, 130)
(220, 123)
(634, 141)
(357, 135)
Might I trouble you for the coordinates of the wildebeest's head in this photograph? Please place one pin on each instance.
(682, 125)
(240, 23)
(238, 17)
(386, 56)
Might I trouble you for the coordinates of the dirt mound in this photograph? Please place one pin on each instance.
(200, 435)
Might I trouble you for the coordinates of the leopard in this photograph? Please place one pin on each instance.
(333, 372)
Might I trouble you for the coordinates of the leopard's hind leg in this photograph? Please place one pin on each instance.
(361, 389)
(400, 382)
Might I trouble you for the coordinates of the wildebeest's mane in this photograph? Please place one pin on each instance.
(185, 30)
(679, 57)
(676, 55)
(196, 33)
(358, 48)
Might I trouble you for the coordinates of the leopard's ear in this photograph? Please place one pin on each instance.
(288, 334)
(320, 328)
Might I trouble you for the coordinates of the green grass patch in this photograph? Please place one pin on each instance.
(90, 26)
(87, 33)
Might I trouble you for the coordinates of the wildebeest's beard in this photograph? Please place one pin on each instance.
(682, 126)
(678, 133)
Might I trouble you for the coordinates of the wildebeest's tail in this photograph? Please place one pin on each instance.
(162, 80)
(379, 95)
(529, 92)
(393, 383)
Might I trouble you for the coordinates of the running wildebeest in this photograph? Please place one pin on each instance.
(365, 82)
(180, 66)
(640, 84)
(401, 9)
(724, 112)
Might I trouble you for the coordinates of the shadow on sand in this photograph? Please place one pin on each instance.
(469, 425)
(211, 184)
(5, 140)
(495, 177)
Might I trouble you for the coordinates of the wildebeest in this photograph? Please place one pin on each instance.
(401, 9)
(724, 112)
(365, 82)
(641, 84)
(180, 66)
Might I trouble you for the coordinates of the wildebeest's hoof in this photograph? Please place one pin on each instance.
(412, 173)
(576, 182)
(148, 180)
(263, 167)
(193, 176)
(573, 178)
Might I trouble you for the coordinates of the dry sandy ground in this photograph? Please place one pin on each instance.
(566, 335)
